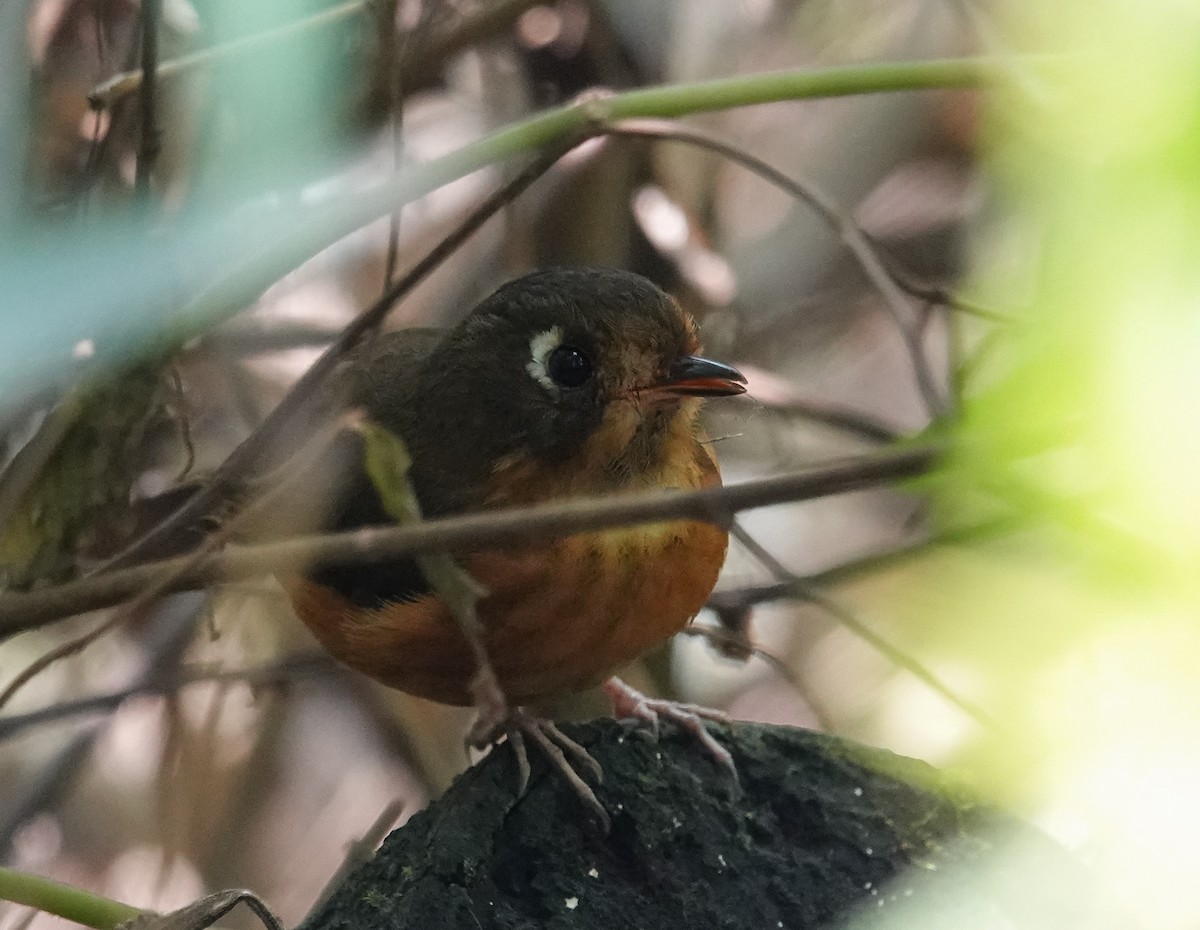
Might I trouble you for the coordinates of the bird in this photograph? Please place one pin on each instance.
(565, 382)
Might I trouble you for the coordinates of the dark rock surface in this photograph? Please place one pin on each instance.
(817, 832)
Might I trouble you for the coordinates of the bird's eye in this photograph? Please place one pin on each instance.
(568, 366)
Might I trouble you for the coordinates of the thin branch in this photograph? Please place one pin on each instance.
(209, 544)
(151, 141)
(733, 600)
(358, 853)
(166, 639)
(848, 421)
(107, 93)
(391, 48)
(467, 30)
(826, 207)
(269, 674)
(25, 611)
(719, 638)
(71, 647)
(851, 621)
(935, 293)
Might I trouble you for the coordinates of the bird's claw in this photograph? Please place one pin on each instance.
(565, 755)
(630, 704)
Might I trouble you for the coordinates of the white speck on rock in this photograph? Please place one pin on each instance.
(721, 859)
(593, 873)
(83, 349)
(571, 903)
(858, 792)
(869, 851)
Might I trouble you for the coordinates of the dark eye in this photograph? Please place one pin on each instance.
(568, 366)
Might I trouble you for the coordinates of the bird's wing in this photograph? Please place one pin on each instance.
(383, 387)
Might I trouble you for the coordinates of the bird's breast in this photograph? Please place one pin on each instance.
(558, 618)
(559, 615)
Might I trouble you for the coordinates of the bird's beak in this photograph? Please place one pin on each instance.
(692, 376)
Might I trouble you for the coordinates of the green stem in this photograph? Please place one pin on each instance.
(301, 237)
(74, 904)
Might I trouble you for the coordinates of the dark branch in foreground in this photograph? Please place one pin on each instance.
(26, 611)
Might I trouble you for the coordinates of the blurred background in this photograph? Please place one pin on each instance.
(1025, 615)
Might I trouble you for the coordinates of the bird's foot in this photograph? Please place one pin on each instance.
(565, 755)
(491, 706)
(630, 704)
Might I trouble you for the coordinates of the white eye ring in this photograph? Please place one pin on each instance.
(540, 347)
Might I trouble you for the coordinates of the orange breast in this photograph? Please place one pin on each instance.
(558, 618)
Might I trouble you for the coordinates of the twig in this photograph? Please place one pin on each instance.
(53, 778)
(208, 545)
(148, 100)
(107, 93)
(850, 620)
(390, 51)
(743, 598)
(25, 611)
(848, 421)
(61, 651)
(468, 29)
(359, 852)
(269, 674)
(169, 636)
(723, 637)
(934, 293)
(185, 425)
(827, 208)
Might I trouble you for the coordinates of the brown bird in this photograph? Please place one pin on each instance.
(563, 383)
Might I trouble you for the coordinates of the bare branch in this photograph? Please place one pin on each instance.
(851, 621)
(25, 611)
(848, 421)
(150, 142)
(827, 208)
(270, 674)
(467, 30)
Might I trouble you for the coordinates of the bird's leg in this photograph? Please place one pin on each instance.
(630, 704)
(565, 755)
(488, 698)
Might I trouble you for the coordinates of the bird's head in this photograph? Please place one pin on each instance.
(589, 376)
